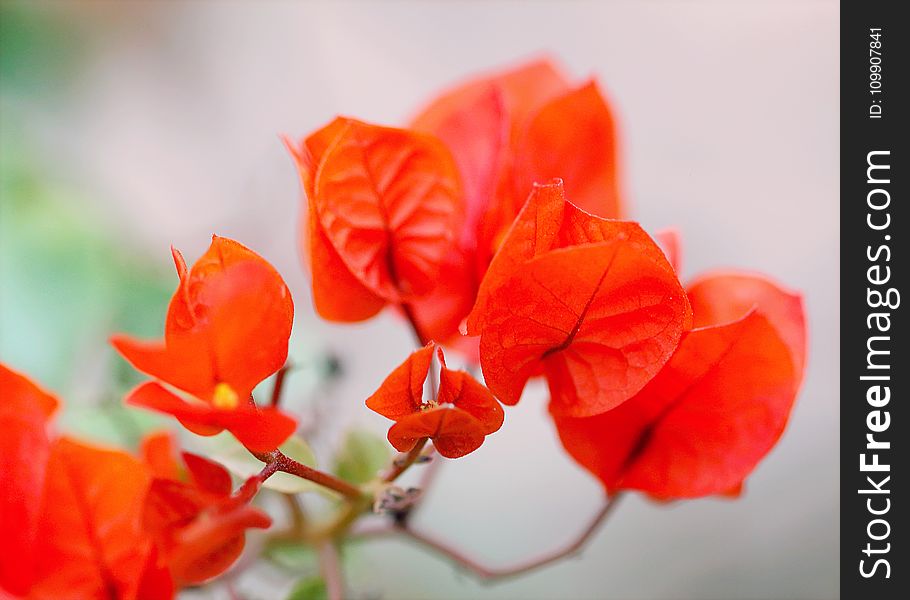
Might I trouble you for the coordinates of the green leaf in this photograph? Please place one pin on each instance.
(361, 457)
(310, 588)
(225, 449)
(292, 555)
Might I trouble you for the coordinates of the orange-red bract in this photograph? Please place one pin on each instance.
(384, 209)
(508, 131)
(24, 451)
(197, 525)
(227, 329)
(463, 413)
(721, 297)
(717, 407)
(590, 302)
(90, 541)
(70, 512)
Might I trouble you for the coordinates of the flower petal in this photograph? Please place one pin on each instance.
(90, 541)
(337, 294)
(401, 393)
(228, 323)
(702, 424)
(209, 546)
(454, 432)
(601, 319)
(389, 200)
(208, 475)
(573, 137)
(158, 451)
(24, 451)
(259, 429)
(723, 297)
(466, 393)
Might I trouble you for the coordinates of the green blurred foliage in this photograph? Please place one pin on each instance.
(361, 456)
(311, 588)
(67, 281)
(296, 557)
(67, 285)
(38, 48)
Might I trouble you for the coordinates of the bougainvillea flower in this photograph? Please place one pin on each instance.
(69, 512)
(723, 297)
(90, 541)
(463, 413)
(526, 125)
(197, 526)
(227, 329)
(508, 131)
(717, 407)
(25, 447)
(384, 208)
(590, 302)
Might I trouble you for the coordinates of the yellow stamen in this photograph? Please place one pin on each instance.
(224, 397)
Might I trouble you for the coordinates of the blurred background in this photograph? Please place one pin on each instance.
(129, 126)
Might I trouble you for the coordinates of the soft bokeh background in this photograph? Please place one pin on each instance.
(129, 126)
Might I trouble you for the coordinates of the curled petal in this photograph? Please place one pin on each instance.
(389, 201)
(454, 432)
(466, 393)
(337, 294)
(208, 546)
(401, 394)
(723, 297)
(228, 323)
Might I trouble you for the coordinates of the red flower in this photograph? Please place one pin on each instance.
(384, 208)
(25, 448)
(718, 406)
(69, 512)
(591, 303)
(463, 413)
(508, 131)
(227, 329)
(197, 525)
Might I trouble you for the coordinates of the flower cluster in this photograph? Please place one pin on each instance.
(494, 223)
(497, 214)
(79, 521)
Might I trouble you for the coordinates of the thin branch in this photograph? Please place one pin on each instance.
(492, 574)
(427, 477)
(432, 469)
(297, 512)
(278, 387)
(287, 464)
(403, 461)
(330, 567)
